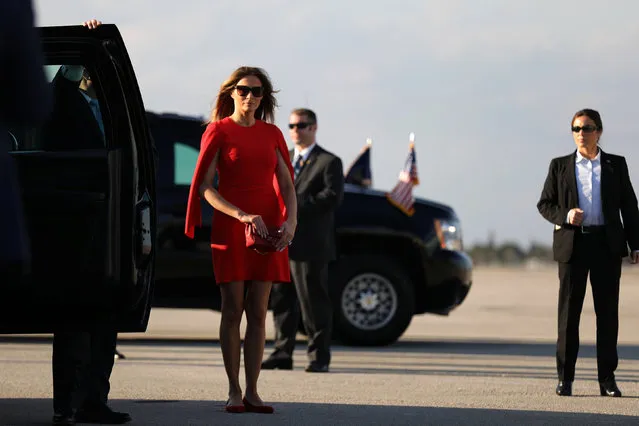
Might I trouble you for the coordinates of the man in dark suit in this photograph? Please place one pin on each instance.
(82, 361)
(583, 196)
(25, 102)
(76, 122)
(319, 182)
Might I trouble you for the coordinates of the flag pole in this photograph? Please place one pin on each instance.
(369, 144)
(401, 196)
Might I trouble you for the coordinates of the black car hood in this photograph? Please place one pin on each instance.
(433, 208)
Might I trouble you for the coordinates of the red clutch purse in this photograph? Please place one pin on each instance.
(261, 244)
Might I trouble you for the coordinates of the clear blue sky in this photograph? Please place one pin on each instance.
(487, 86)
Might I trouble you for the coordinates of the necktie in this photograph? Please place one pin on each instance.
(298, 161)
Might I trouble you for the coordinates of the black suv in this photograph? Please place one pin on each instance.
(89, 207)
(389, 267)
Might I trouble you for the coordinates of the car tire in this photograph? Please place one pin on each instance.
(373, 301)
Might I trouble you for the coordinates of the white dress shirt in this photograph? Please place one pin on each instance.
(588, 173)
(304, 152)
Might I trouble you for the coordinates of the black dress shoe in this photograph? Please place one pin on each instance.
(564, 388)
(103, 415)
(277, 364)
(609, 388)
(315, 367)
(63, 419)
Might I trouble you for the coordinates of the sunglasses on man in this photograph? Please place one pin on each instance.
(587, 128)
(243, 91)
(300, 126)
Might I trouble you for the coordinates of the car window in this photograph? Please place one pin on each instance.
(50, 71)
(185, 158)
(78, 120)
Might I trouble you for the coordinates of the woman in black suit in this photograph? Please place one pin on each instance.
(583, 196)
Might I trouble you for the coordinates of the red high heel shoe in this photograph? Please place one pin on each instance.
(262, 409)
(234, 408)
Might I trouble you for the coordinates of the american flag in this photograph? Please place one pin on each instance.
(402, 194)
(359, 173)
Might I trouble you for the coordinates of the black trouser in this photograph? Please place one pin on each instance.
(590, 254)
(82, 364)
(310, 297)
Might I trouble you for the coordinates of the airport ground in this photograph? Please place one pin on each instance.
(491, 362)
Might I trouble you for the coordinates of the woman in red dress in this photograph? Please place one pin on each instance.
(255, 187)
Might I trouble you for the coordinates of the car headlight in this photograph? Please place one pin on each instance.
(449, 234)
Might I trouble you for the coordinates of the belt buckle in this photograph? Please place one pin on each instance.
(583, 231)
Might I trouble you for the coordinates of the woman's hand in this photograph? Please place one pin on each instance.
(287, 231)
(256, 221)
(576, 216)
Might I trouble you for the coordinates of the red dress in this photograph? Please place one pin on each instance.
(246, 170)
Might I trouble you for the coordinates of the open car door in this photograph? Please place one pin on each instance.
(89, 196)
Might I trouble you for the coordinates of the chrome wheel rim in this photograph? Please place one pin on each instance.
(369, 301)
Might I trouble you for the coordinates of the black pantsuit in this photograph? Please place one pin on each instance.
(82, 365)
(590, 256)
(594, 252)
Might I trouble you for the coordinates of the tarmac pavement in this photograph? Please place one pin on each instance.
(490, 362)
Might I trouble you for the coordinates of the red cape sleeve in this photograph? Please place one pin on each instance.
(210, 143)
(283, 149)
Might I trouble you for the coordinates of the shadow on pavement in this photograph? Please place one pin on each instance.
(487, 347)
(35, 412)
(463, 347)
(457, 359)
(426, 368)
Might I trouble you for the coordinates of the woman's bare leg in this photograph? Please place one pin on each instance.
(256, 306)
(232, 309)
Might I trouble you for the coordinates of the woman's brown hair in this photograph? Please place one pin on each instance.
(224, 105)
(590, 113)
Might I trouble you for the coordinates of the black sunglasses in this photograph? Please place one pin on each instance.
(299, 125)
(587, 128)
(257, 91)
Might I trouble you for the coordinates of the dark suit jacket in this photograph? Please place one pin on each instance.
(320, 190)
(560, 195)
(72, 125)
(25, 101)
(26, 98)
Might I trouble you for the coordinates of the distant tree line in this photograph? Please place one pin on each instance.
(509, 253)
